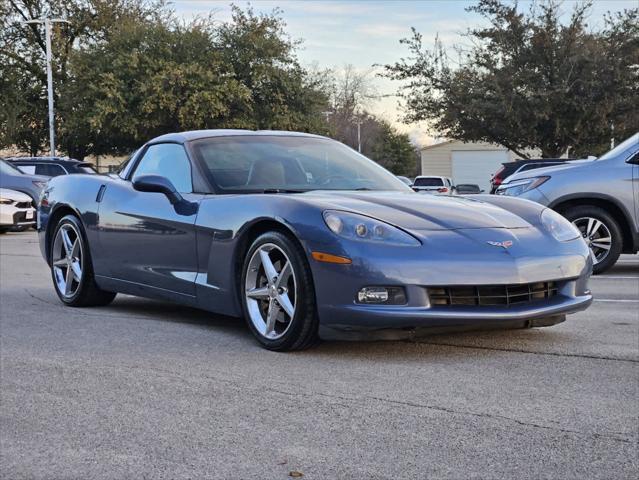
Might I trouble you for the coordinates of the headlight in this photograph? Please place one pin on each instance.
(6, 201)
(558, 226)
(518, 187)
(359, 227)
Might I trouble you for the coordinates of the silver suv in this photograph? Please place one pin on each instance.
(600, 197)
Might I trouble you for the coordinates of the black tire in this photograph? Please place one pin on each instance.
(88, 294)
(590, 211)
(303, 330)
(3, 231)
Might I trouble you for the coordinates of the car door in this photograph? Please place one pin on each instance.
(144, 238)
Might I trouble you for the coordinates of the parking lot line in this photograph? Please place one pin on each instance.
(615, 277)
(616, 300)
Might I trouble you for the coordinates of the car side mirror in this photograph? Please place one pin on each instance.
(157, 184)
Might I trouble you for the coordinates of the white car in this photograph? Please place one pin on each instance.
(16, 210)
(435, 185)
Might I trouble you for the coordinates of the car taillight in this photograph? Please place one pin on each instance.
(442, 190)
(496, 180)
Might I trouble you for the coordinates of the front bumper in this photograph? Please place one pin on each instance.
(12, 217)
(454, 259)
(369, 317)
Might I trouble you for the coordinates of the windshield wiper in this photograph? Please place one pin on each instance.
(282, 190)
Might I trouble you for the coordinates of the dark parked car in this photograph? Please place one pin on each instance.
(14, 179)
(50, 166)
(510, 168)
(468, 188)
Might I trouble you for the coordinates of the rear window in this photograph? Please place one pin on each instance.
(49, 169)
(429, 182)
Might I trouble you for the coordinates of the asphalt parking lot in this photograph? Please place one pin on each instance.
(143, 389)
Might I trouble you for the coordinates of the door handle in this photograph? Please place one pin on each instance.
(98, 197)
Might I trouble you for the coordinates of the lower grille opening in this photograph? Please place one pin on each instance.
(491, 295)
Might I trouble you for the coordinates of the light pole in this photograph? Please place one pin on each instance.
(327, 114)
(47, 33)
(358, 121)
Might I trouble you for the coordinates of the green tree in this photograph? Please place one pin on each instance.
(23, 94)
(262, 58)
(529, 80)
(128, 70)
(351, 93)
(394, 151)
(150, 78)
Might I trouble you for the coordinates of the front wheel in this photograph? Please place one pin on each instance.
(600, 231)
(278, 296)
(71, 268)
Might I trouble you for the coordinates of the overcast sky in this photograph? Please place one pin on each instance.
(364, 33)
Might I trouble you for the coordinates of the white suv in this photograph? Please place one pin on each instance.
(435, 185)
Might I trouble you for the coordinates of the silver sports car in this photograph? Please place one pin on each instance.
(306, 238)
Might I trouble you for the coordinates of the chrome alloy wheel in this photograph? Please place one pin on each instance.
(67, 260)
(597, 236)
(270, 290)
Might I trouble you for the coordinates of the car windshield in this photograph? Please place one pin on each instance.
(8, 169)
(429, 182)
(622, 147)
(248, 163)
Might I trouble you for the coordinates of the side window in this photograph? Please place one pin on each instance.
(168, 160)
(28, 169)
(49, 169)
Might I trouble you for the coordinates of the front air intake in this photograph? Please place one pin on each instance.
(491, 295)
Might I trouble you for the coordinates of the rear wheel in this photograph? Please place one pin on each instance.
(600, 231)
(278, 297)
(71, 268)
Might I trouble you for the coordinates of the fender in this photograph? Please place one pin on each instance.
(222, 236)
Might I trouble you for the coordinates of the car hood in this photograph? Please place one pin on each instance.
(14, 195)
(539, 172)
(413, 211)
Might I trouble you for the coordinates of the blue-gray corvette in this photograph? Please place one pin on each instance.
(305, 238)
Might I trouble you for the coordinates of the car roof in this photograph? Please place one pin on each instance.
(542, 171)
(44, 159)
(181, 137)
(521, 161)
